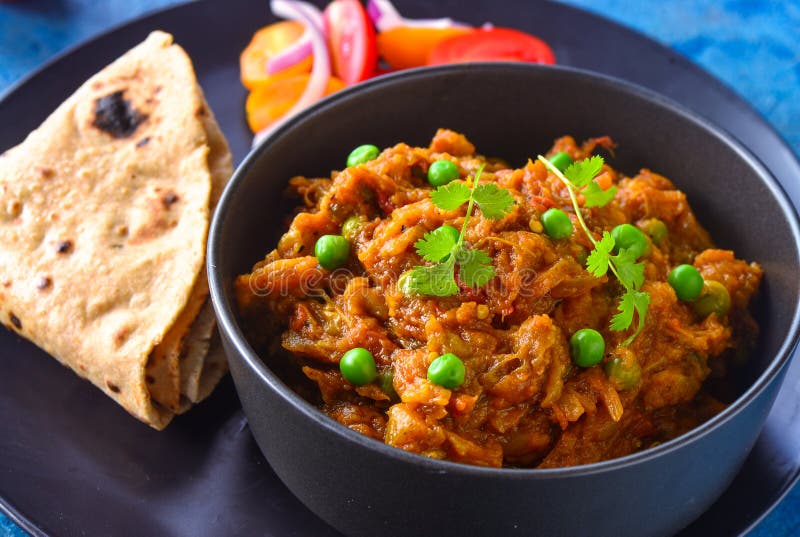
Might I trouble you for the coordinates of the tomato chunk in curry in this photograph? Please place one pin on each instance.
(523, 401)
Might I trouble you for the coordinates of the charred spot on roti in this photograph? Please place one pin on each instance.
(158, 406)
(169, 199)
(150, 379)
(143, 142)
(44, 282)
(15, 321)
(14, 208)
(64, 247)
(201, 111)
(118, 246)
(116, 116)
(121, 230)
(46, 172)
(151, 216)
(121, 335)
(7, 283)
(111, 386)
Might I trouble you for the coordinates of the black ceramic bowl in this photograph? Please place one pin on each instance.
(514, 111)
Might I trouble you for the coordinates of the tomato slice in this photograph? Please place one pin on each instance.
(404, 47)
(351, 40)
(267, 42)
(495, 44)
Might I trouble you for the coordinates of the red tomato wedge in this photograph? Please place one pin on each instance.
(495, 44)
(351, 40)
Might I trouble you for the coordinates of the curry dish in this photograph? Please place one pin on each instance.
(522, 399)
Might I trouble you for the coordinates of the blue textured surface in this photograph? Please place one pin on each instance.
(752, 45)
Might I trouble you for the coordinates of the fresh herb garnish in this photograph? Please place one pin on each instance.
(579, 179)
(581, 176)
(445, 246)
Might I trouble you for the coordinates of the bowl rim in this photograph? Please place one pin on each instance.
(227, 322)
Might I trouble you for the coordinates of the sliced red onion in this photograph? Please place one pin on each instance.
(311, 17)
(291, 55)
(385, 17)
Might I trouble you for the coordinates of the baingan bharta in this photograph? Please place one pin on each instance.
(391, 328)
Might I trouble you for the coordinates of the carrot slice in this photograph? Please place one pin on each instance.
(604, 181)
(267, 42)
(404, 47)
(271, 100)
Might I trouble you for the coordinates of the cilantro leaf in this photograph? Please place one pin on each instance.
(580, 173)
(495, 202)
(435, 280)
(436, 245)
(629, 272)
(451, 196)
(632, 301)
(596, 196)
(579, 178)
(475, 267)
(445, 247)
(597, 262)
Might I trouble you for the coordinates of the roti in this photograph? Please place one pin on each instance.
(104, 214)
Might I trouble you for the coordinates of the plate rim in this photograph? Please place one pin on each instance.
(29, 525)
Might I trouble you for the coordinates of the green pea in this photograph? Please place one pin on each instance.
(351, 225)
(448, 371)
(362, 154)
(561, 161)
(386, 382)
(557, 224)
(628, 237)
(655, 229)
(624, 375)
(714, 298)
(686, 281)
(332, 251)
(406, 283)
(587, 347)
(442, 172)
(358, 366)
(581, 254)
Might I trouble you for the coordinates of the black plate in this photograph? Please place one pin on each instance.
(73, 463)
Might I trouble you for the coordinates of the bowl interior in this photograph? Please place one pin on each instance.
(514, 112)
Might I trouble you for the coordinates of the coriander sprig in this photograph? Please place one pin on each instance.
(579, 177)
(445, 246)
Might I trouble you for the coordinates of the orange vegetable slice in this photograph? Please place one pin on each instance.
(404, 47)
(267, 42)
(271, 100)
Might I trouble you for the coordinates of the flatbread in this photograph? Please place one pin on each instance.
(104, 213)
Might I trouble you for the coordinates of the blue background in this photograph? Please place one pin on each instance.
(752, 45)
